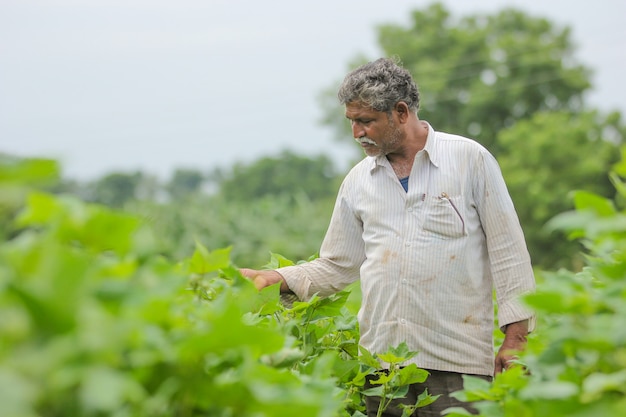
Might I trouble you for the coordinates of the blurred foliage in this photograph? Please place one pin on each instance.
(284, 174)
(577, 359)
(185, 182)
(122, 313)
(97, 323)
(291, 225)
(546, 157)
(116, 189)
(19, 176)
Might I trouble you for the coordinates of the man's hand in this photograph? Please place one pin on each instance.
(265, 278)
(514, 342)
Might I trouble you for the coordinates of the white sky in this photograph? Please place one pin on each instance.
(120, 85)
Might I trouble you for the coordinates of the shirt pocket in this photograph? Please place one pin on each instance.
(444, 216)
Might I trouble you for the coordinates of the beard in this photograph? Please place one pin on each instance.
(392, 137)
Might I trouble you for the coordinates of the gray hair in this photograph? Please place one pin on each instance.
(380, 85)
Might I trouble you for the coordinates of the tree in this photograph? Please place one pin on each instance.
(481, 73)
(547, 157)
(118, 188)
(286, 174)
(185, 182)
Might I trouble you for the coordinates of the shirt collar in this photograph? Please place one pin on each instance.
(430, 150)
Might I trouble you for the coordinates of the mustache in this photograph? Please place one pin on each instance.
(365, 140)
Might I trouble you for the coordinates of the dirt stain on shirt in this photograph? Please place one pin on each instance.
(387, 256)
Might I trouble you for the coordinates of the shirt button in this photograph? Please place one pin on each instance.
(404, 281)
(407, 244)
(409, 209)
(403, 321)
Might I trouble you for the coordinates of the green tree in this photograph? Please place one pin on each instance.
(545, 158)
(118, 188)
(185, 182)
(285, 174)
(481, 73)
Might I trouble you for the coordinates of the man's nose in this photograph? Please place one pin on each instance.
(357, 130)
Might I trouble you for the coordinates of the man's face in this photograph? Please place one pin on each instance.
(376, 131)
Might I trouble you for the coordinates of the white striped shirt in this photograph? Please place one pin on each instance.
(428, 259)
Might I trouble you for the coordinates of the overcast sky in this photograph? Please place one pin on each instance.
(121, 85)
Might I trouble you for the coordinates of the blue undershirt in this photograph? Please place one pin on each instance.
(405, 183)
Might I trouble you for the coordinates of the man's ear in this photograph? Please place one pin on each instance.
(403, 111)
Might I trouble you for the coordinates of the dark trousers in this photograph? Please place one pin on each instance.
(438, 383)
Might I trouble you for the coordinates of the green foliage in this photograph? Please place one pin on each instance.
(547, 156)
(96, 322)
(481, 73)
(393, 382)
(18, 176)
(285, 174)
(577, 358)
(291, 225)
(185, 182)
(118, 188)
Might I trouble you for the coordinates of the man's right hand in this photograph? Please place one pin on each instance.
(265, 278)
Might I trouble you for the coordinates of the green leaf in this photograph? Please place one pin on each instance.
(547, 301)
(106, 390)
(398, 354)
(618, 183)
(283, 358)
(456, 412)
(30, 171)
(17, 393)
(549, 390)
(269, 300)
(277, 261)
(400, 392)
(346, 370)
(411, 374)
(620, 166)
(374, 392)
(425, 399)
(106, 230)
(597, 383)
(601, 206)
(203, 261)
(330, 306)
(41, 208)
(475, 389)
(383, 378)
(367, 358)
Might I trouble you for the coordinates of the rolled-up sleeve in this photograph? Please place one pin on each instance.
(341, 254)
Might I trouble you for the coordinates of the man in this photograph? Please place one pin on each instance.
(426, 223)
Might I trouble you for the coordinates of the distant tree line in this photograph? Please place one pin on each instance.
(284, 174)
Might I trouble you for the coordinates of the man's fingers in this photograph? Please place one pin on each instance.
(255, 276)
(248, 273)
(498, 368)
(263, 278)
